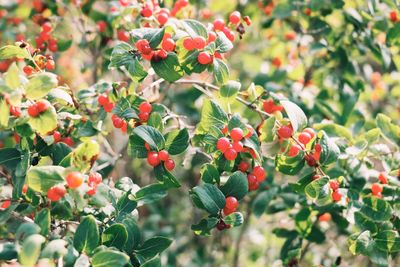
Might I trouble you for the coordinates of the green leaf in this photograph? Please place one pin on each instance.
(194, 28)
(151, 193)
(205, 226)
(4, 113)
(153, 246)
(389, 129)
(55, 249)
(107, 258)
(234, 219)
(364, 223)
(151, 136)
(333, 129)
(169, 68)
(154, 262)
(393, 36)
(40, 85)
(211, 115)
(222, 43)
(267, 132)
(211, 197)
(12, 51)
(25, 230)
(154, 37)
(221, 71)
(46, 122)
(8, 251)
(177, 141)
(376, 209)
(42, 219)
(236, 186)
(87, 236)
(115, 236)
(289, 165)
(329, 150)
(41, 178)
(319, 190)
(134, 235)
(229, 91)
(360, 243)
(12, 78)
(388, 240)
(30, 250)
(209, 173)
(262, 200)
(84, 156)
(296, 115)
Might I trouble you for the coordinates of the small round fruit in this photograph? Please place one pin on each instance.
(101, 26)
(325, 217)
(334, 184)
(15, 111)
(118, 122)
(188, 43)
(231, 203)
(382, 178)
(108, 107)
(153, 159)
(169, 164)
(42, 106)
(219, 24)
(94, 178)
(237, 146)
(123, 36)
(5, 204)
(285, 132)
(243, 166)
(294, 150)
(376, 189)
(46, 27)
(144, 116)
(199, 42)
(33, 111)
(252, 181)
(146, 12)
(234, 17)
(145, 107)
(310, 131)
(74, 179)
(28, 70)
(204, 58)
(336, 196)
(168, 44)
(259, 173)
(236, 134)
(102, 100)
(56, 192)
(92, 191)
(304, 138)
(230, 154)
(223, 144)
(56, 136)
(163, 154)
(162, 18)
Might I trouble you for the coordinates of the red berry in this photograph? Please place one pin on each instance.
(28, 70)
(211, 37)
(145, 107)
(25, 189)
(143, 46)
(33, 111)
(45, 36)
(94, 178)
(237, 146)
(162, 54)
(382, 178)
(223, 144)
(146, 145)
(311, 161)
(277, 62)
(53, 46)
(146, 12)
(162, 18)
(123, 35)
(289, 36)
(153, 159)
(74, 179)
(243, 166)
(336, 196)
(148, 56)
(259, 173)
(101, 26)
(230, 154)
(15, 111)
(252, 181)
(108, 107)
(169, 164)
(236, 134)
(234, 17)
(228, 211)
(310, 131)
(315, 177)
(219, 24)
(42, 106)
(168, 44)
(5, 204)
(326, 217)
(56, 192)
(50, 65)
(163, 155)
(46, 27)
(376, 189)
(118, 122)
(68, 141)
(294, 150)
(102, 100)
(144, 116)
(231, 203)
(199, 42)
(188, 44)
(247, 20)
(92, 191)
(393, 15)
(229, 34)
(304, 138)
(56, 136)
(285, 132)
(334, 184)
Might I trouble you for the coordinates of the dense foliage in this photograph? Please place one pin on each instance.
(149, 133)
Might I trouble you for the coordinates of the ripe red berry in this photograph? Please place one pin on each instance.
(237, 146)
(145, 107)
(223, 144)
(147, 146)
(277, 62)
(146, 12)
(33, 111)
(56, 136)
(94, 178)
(53, 46)
(234, 17)
(5, 204)
(153, 159)
(382, 178)
(169, 164)
(211, 37)
(325, 217)
(231, 203)
(123, 36)
(229, 34)
(45, 36)
(289, 36)
(15, 111)
(219, 24)
(28, 70)
(310, 131)
(336, 196)
(92, 190)
(144, 116)
(285, 131)
(56, 192)
(334, 184)
(304, 138)
(68, 141)
(230, 154)
(46, 27)
(315, 177)
(225, 129)
(24, 189)
(101, 26)
(252, 181)
(311, 161)
(108, 107)
(74, 179)
(259, 173)
(376, 189)
(294, 150)
(118, 122)
(236, 134)
(168, 44)
(143, 46)
(162, 54)
(188, 44)
(199, 42)
(42, 106)
(163, 155)
(243, 166)
(102, 100)
(247, 20)
(393, 15)
(162, 18)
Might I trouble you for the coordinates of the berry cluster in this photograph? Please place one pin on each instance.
(119, 123)
(66, 140)
(148, 53)
(336, 195)
(231, 204)
(256, 177)
(155, 158)
(105, 102)
(145, 109)
(38, 108)
(270, 106)
(231, 148)
(94, 180)
(45, 37)
(42, 62)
